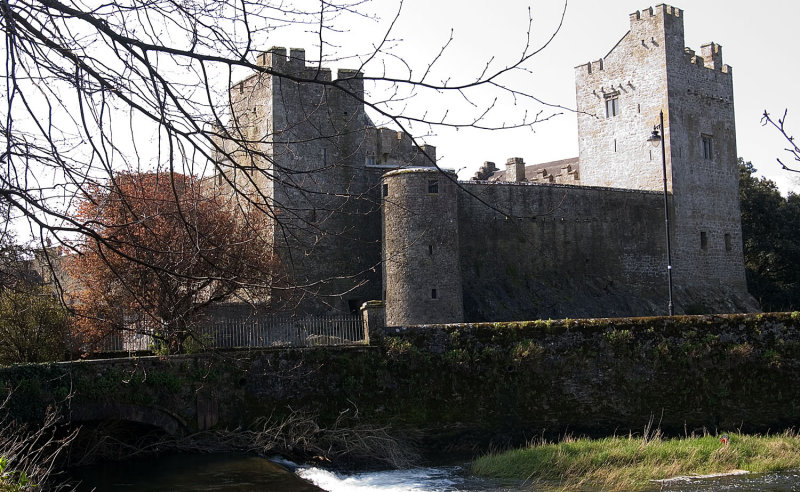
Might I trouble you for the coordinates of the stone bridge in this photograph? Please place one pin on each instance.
(459, 384)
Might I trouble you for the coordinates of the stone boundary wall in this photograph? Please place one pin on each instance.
(462, 387)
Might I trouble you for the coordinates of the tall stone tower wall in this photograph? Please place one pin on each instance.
(422, 268)
(619, 98)
(311, 134)
(702, 138)
(302, 146)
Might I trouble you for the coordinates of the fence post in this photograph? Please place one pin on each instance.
(373, 317)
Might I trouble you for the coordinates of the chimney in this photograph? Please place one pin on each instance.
(515, 169)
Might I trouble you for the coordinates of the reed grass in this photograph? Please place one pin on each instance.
(633, 463)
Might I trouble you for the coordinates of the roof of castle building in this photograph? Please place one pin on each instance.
(554, 168)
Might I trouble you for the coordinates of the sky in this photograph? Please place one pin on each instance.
(759, 42)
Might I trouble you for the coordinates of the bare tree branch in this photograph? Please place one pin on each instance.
(793, 149)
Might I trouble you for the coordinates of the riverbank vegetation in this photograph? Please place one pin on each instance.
(633, 463)
(30, 454)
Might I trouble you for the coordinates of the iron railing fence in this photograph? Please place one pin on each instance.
(257, 331)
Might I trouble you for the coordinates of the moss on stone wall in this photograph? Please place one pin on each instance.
(465, 384)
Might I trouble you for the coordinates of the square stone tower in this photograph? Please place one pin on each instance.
(300, 146)
(297, 147)
(619, 98)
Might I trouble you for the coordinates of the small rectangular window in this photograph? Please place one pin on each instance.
(385, 189)
(434, 294)
(728, 243)
(324, 157)
(370, 160)
(430, 249)
(703, 240)
(708, 147)
(433, 186)
(612, 106)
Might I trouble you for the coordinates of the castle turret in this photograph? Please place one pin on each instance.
(422, 271)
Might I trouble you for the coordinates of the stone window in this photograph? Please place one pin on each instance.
(703, 240)
(324, 156)
(385, 189)
(370, 160)
(430, 249)
(434, 294)
(708, 146)
(728, 243)
(433, 186)
(612, 106)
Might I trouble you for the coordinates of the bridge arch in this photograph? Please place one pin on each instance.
(153, 416)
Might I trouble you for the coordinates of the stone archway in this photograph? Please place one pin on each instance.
(153, 416)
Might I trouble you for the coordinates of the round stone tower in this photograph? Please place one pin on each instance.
(422, 272)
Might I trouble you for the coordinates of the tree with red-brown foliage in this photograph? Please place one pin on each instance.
(164, 247)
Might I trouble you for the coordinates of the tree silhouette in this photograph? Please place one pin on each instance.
(143, 86)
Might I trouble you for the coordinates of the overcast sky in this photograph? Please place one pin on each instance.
(759, 41)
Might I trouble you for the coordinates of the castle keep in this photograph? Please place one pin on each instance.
(362, 214)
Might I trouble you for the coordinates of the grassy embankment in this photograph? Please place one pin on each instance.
(630, 463)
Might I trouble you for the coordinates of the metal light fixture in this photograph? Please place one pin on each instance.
(655, 138)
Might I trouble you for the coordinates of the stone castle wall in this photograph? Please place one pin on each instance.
(613, 148)
(313, 134)
(515, 250)
(566, 252)
(460, 386)
(705, 186)
(647, 72)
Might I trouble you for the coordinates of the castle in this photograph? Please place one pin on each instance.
(362, 214)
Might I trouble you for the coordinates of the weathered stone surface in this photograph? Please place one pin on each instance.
(464, 385)
(649, 71)
(592, 247)
(421, 247)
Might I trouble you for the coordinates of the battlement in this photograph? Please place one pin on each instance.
(278, 62)
(397, 149)
(657, 11)
(711, 58)
(642, 22)
(648, 31)
(276, 58)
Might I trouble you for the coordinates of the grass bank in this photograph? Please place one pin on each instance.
(630, 463)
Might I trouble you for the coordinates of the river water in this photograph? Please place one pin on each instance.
(227, 472)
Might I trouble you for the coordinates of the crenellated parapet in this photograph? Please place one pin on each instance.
(653, 29)
(291, 64)
(390, 148)
(710, 58)
(659, 10)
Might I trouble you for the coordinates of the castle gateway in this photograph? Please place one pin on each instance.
(362, 214)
